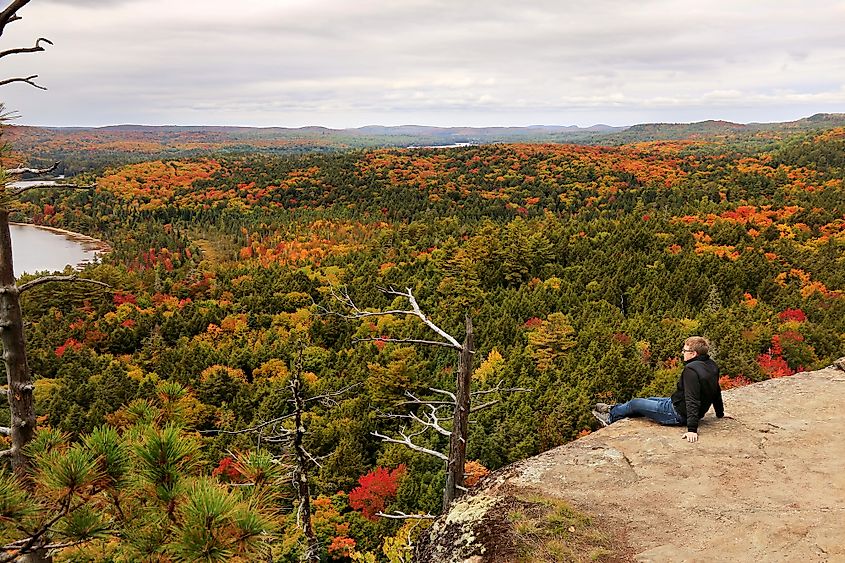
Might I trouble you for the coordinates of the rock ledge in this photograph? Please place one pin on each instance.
(765, 483)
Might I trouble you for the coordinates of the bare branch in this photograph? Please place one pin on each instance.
(327, 398)
(35, 49)
(313, 459)
(406, 441)
(64, 545)
(398, 515)
(28, 80)
(64, 279)
(284, 437)
(403, 340)
(443, 392)
(251, 429)
(484, 406)
(22, 170)
(421, 402)
(16, 545)
(415, 311)
(357, 313)
(417, 401)
(391, 291)
(499, 389)
(413, 301)
(48, 185)
(364, 314)
(10, 14)
(7, 453)
(5, 431)
(431, 420)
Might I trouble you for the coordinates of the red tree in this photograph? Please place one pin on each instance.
(375, 489)
(793, 315)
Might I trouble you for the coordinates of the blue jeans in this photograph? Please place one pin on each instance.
(658, 409)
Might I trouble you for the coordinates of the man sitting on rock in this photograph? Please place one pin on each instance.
(698, 388)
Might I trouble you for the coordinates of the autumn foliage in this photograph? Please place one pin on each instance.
(583, 269)
(375, 490)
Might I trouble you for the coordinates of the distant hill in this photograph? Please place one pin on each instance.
(713, 129)
(84, 148)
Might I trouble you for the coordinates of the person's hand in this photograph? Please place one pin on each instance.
(690, 437)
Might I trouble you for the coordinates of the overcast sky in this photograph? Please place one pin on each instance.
(348, 63)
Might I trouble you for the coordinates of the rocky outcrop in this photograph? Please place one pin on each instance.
(765, 483)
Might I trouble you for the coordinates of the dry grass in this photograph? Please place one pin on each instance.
(550, 530)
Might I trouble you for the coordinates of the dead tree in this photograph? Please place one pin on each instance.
(459, 402)
(289, 431)
(19, 390)
(20, 386)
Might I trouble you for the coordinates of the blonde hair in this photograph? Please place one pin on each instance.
(698, 344)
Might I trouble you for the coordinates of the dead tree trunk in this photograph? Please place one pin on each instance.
(460, 424)
(460, 400)
(300, 472)
(20, 387)
(22, 427)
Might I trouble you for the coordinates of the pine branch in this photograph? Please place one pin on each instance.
(27, 545)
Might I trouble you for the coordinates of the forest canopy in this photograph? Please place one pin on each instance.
(583, 269)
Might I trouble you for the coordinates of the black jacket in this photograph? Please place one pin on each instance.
(698, 388)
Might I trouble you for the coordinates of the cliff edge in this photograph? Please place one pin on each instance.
(765, 483)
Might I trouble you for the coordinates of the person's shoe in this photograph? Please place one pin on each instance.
(602, 417)
(602, 407)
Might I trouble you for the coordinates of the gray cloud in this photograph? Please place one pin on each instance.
(341, 63)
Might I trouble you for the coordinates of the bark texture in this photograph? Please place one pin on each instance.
(21, 404)
(300, 475)
(460, 425)
(14, 355)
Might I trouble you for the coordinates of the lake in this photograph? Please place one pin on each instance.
(36, 249)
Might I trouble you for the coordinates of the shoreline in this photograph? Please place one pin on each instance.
(88, 243)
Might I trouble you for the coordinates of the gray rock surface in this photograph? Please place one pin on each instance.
(765, 483)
